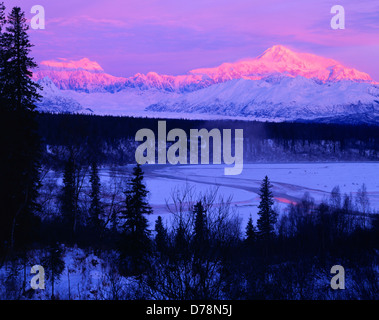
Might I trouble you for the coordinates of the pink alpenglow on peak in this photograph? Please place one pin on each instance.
(281, 60)
(63, 64)
(276, 62)
(81, 75)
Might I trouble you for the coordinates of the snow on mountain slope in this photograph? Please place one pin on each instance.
(129, 101)
(55, 100)
(281, 60)
(88, 76)
(291, 98)
(83, 75)
(64, 65)
(181, 83)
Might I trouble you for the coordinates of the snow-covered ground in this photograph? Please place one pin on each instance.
(290, 182)
(85, 276)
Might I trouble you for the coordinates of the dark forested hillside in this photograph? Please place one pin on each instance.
(112, 138)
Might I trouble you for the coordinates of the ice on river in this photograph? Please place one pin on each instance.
(290, 182)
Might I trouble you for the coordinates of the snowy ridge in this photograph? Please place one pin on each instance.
(88, 76)
(64, 65)
(291, 98)
(54, 100)
(278, 85)
(83, 75)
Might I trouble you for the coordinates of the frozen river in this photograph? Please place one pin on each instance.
(290, 182)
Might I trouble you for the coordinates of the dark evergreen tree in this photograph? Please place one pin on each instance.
(68, 196)
(6, 216)
(180, 240)
(2, 47)
(200, 235)
(2, 16)
(136, 240)
(2, 56)
(201, 249)
(96, 209)
(161, 237)
(251, 232)
(54, 265)
(17, 87)
(136, 204)
(267, 216)
(19, 177)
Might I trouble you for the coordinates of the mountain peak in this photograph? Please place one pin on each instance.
(277, 51)
(70, 65)
(82, 75)
(281, 60)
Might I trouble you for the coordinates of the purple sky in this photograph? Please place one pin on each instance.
(174, 36)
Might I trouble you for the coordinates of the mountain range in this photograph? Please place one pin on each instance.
(278, 85)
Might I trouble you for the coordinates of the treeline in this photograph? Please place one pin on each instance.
(113, 138)
(62, 128)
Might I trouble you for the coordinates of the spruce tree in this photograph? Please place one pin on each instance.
(161, 237)
(19, 177)
(251, 232)
(2, 47)
(2, 16)
(180, 241)
(95, 209)
(200, 243)
(5, 216)
(136, 240)
(54, 265)
(200, 229)
(68, 196)
(17, 87)
(136, 204)
(267, 216)
(2, 55)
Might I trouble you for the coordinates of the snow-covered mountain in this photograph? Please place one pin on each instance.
(88, 76)
(279, 60)
(83, 75)
(280, 84)
(287, 98)
(55, 100)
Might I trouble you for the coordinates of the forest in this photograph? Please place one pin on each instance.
(92, 237)
(112, 138)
